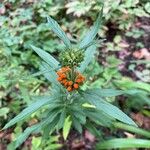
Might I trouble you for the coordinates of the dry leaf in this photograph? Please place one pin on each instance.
(90, 137)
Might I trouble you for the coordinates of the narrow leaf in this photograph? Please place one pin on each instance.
(25, 134)
(46, 57)
(51, 75)
(42, 100)
(142, 95)
(93, 129)
(58, 31)
(89, 55)
(113, 92)
(132, 129)
(77, 124)
(66, 128)
(89, 37)
(61, 119)
(108, 108)
(124, 143)
(35, 128)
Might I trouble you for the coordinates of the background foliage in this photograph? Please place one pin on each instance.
(23, 22)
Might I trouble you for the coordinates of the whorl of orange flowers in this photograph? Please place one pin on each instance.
(71, 80)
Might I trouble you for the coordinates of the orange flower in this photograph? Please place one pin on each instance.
(64, 81)
(69, 89)
(59, 78)
(78, 80)
(65, 78)
(63, 75)
(70, 83)
(76, 86)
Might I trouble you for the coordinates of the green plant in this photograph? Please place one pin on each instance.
(79, 107)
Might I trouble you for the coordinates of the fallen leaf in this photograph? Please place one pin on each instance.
(129, 135)
(142, 53)
(90, 137)
(123, 44)
(2, 10)
(77, 144)
(141, 120)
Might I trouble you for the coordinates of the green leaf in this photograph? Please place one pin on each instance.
(132, 129)
(36, 142)
(141, 95)
(89, 37)
(124, 143)
(87, 105)
(99, 117)
(105, 92)
(78, 112)
(26, 133)
(51, 124)
(4, 111)
(66, 128)
(62, 119)
(89, 55)
(92, 129)
(46, 57)
(127, 83)
(42, 100)
(58, 31)
(77, 124)
(51, 120)
(51, 75)
(113, 92)
(108, 108)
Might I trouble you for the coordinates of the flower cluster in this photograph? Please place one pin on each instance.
(71, 57)
(69, 78)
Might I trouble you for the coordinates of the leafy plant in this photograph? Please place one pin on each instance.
(68, 104)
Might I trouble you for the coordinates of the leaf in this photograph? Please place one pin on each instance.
(58, 31)
(132, 129)
(89, 37)
(100, 118)
(77, 124)
(36, 142)
(89, 55)
(141, 95)
(105, 92)
(62, 119)
(124, 143)
(113, 92)
(51, 120)
(46, 57)
(66, 127)
(51, 75)
(4, 111)
(42, 100)
(108, 108)
(26, 133)
(147, 7)
(92, 129)
(51, 124)
(127, 83)
(87, 105)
